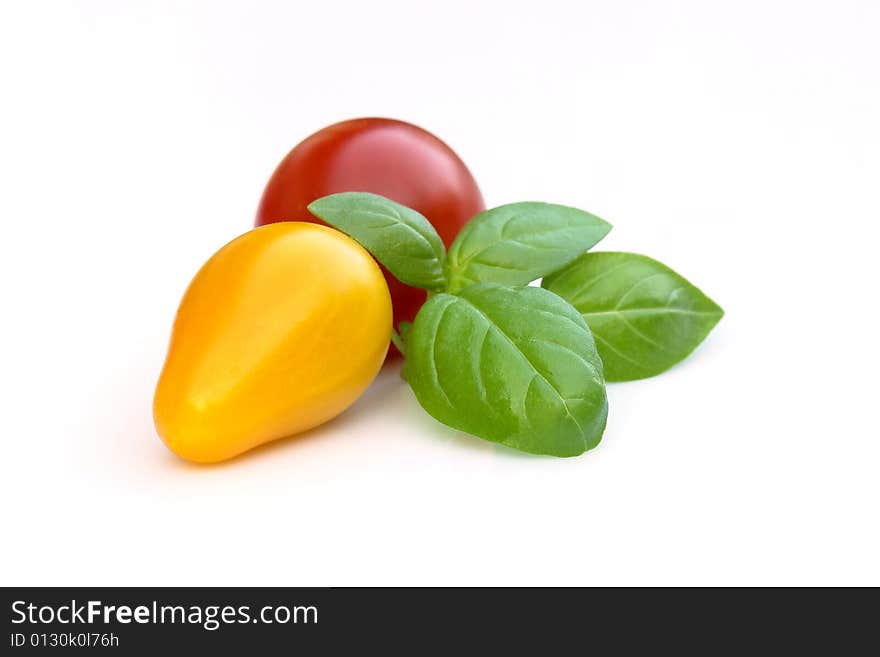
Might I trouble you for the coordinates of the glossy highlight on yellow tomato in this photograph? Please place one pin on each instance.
(280, 331)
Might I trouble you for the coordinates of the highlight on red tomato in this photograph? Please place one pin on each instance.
(394, 159)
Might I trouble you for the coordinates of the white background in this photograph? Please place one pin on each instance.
(738, 142)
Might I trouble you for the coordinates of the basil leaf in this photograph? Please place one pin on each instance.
(514, 366)
(644, 316)
(398, 237)
(518, 243)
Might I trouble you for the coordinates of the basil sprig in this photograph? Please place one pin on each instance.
(523, 366)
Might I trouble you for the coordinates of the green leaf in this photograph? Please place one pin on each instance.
(518, 243)
(514, 366)
(398, 237)
(644, 316)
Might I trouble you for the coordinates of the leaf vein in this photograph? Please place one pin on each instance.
(636, 285)
(435, 372)
(478, 370)
(617, 351)
(583, 360)
(538, 372)
(405, 224)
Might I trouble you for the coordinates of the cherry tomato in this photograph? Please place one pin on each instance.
(383, 156)
(269, 341)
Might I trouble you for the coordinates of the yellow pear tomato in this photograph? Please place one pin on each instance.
(281, 330)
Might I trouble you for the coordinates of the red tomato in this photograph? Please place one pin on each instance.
(392, 158)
